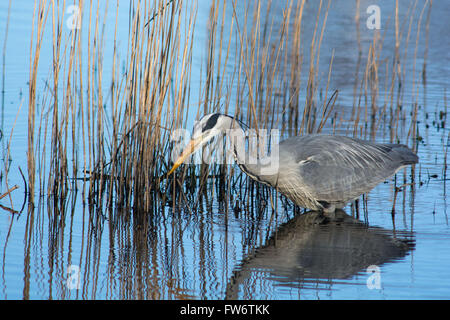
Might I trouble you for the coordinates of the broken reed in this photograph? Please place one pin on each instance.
(116, 135)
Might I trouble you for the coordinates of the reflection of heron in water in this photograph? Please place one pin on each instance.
(319, 172)
(310, 251)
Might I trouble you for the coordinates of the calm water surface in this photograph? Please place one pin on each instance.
(215, 253)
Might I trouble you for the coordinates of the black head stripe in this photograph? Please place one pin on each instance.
(212, 121)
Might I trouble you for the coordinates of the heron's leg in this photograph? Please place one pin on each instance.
(315, 217)
(327, 207)
(330, 209)
(327, 211)
(330, 213)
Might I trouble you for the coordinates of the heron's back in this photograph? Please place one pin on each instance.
(317, 169)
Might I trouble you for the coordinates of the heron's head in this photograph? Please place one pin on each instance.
(204, 130)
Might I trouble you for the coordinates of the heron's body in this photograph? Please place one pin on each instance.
(326, 171)
(318, 172)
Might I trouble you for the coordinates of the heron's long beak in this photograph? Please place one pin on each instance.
(193, 145)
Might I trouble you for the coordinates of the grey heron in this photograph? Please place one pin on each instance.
(316, 171)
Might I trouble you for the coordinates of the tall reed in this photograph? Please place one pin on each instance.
(118, 150)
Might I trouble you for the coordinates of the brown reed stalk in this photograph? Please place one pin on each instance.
(39, 19)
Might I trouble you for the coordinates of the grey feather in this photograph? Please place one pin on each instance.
(338, 169)
(319, 172)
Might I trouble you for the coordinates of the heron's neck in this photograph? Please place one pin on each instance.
(237, 138)
(257, 167)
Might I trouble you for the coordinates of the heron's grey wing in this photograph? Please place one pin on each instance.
(339, 169)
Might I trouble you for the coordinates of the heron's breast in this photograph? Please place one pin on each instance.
(292, 186)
